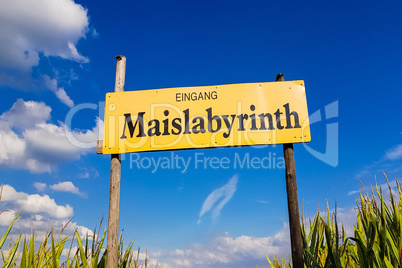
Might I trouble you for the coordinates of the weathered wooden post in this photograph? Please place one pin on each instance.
(115, 175)
(293, 204)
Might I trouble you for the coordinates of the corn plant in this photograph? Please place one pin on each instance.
(378, 232)
(48, 253)
(376, 242)
(278, 263)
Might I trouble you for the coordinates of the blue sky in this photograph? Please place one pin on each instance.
(58, 54)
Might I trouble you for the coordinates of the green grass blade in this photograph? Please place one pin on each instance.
(54, 259)
(3, 239)
(11, 254)
(82, 251)
(24, 255)
(31, 254)
(125, 258)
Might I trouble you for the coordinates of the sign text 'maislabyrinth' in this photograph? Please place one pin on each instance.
(205, 117)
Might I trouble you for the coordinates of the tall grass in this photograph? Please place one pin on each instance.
(377, 238)
(48, 254)
(376, 242)
(87, 254)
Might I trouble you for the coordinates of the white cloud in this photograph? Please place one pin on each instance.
(34, 204)
(225, 193)
(151, 261)
(26, 114)
(28, 141)
(66, 186)
(40, 187)
(42, 224)
(52, 27)
(82, 230)
(394, 153)
(37, 212)
(7, 216)
(88, 172)
(34, 27)
(11, 147)
(226, 251)
(347, 218)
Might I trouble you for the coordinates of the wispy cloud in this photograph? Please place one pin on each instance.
(390, 162)
(40, 187)
(88, 172)
(394, 153)
(353, 192)
(64, 98)
(224, 194)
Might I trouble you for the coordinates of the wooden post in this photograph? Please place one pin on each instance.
(115, 174)
(293, 204)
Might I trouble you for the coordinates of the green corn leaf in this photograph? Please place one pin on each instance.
(388, 264)
(24, 255)
(31, 254)
(392, 248)
(94, 241)
(98, 250)
(10, 258)
(54, 259)
(308, 256)
(3, 239)
(362, 252)
(82, 252)
(123, 262)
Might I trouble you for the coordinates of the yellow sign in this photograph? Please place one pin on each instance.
(206, 117)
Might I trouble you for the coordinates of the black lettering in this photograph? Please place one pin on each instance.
(278, 119)
(214, 95)
(186, 121)
(242, 117)
(217, 120)
(193, 96)
(228, 124)
(295, 115)
(131, 128)
(155, 129)
(200, 125)
(165, 127)
(166, 124)
(176, 126)
(253, 124)
(270, 121)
